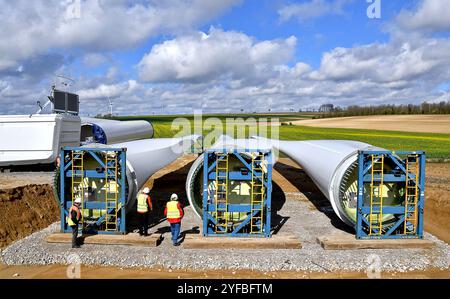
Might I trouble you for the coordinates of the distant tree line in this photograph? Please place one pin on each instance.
(330, 110)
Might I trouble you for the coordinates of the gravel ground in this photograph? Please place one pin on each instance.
(304, 220)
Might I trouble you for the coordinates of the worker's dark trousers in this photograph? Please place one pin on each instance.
(143, 223)
(74, 235)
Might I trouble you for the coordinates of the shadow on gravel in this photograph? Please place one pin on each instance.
(278, 201)
(193, 231)
(300, 180)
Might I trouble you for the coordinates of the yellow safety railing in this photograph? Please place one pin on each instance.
(221, 194)
(376, 195)
(411, 193)
(257, 195)
(111, 191)
(78, 179)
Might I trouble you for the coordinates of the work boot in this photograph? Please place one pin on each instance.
(76, 246)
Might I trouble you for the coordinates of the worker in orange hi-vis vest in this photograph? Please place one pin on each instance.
(144, 205)
(174, 213)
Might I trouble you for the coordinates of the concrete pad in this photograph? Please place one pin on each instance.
(131, 239)
(348, 241)
(279, 241)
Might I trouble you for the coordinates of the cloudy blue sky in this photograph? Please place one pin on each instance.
(178, 56)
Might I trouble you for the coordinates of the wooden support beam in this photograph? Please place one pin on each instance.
(131, 239)
(348, 241)
(279, 241)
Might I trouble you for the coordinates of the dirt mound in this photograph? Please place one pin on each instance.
(437, 200)
(437, 212)
(25, 210)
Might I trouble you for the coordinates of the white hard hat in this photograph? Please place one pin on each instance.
(174, 197)
(78, 200)
(146, 190)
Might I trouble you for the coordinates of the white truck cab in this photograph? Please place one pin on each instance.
(36, 139)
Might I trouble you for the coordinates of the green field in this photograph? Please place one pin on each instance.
(435, 145)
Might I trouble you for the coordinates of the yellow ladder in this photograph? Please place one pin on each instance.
(376, 195)
(111, 164)
(412, 192)
(257, 195)
(221, 195)
(78, 179)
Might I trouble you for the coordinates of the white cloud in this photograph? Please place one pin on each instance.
(312, 9)
(108, 90)
(388, 62)
(431, 15)
(29, 28)
(204, 57)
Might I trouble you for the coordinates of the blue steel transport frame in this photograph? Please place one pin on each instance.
(409, 172)
(113, 221)
(258, 220)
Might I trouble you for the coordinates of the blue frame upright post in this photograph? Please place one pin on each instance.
(268, 202)
(205, 194)
(62, 199)
(360, 196)
(123, 174)
(421, 204)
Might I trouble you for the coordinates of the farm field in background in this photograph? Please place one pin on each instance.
(436, 123)
(436, 145)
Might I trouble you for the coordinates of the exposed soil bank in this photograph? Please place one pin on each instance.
(437, 200)
(25, 210)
